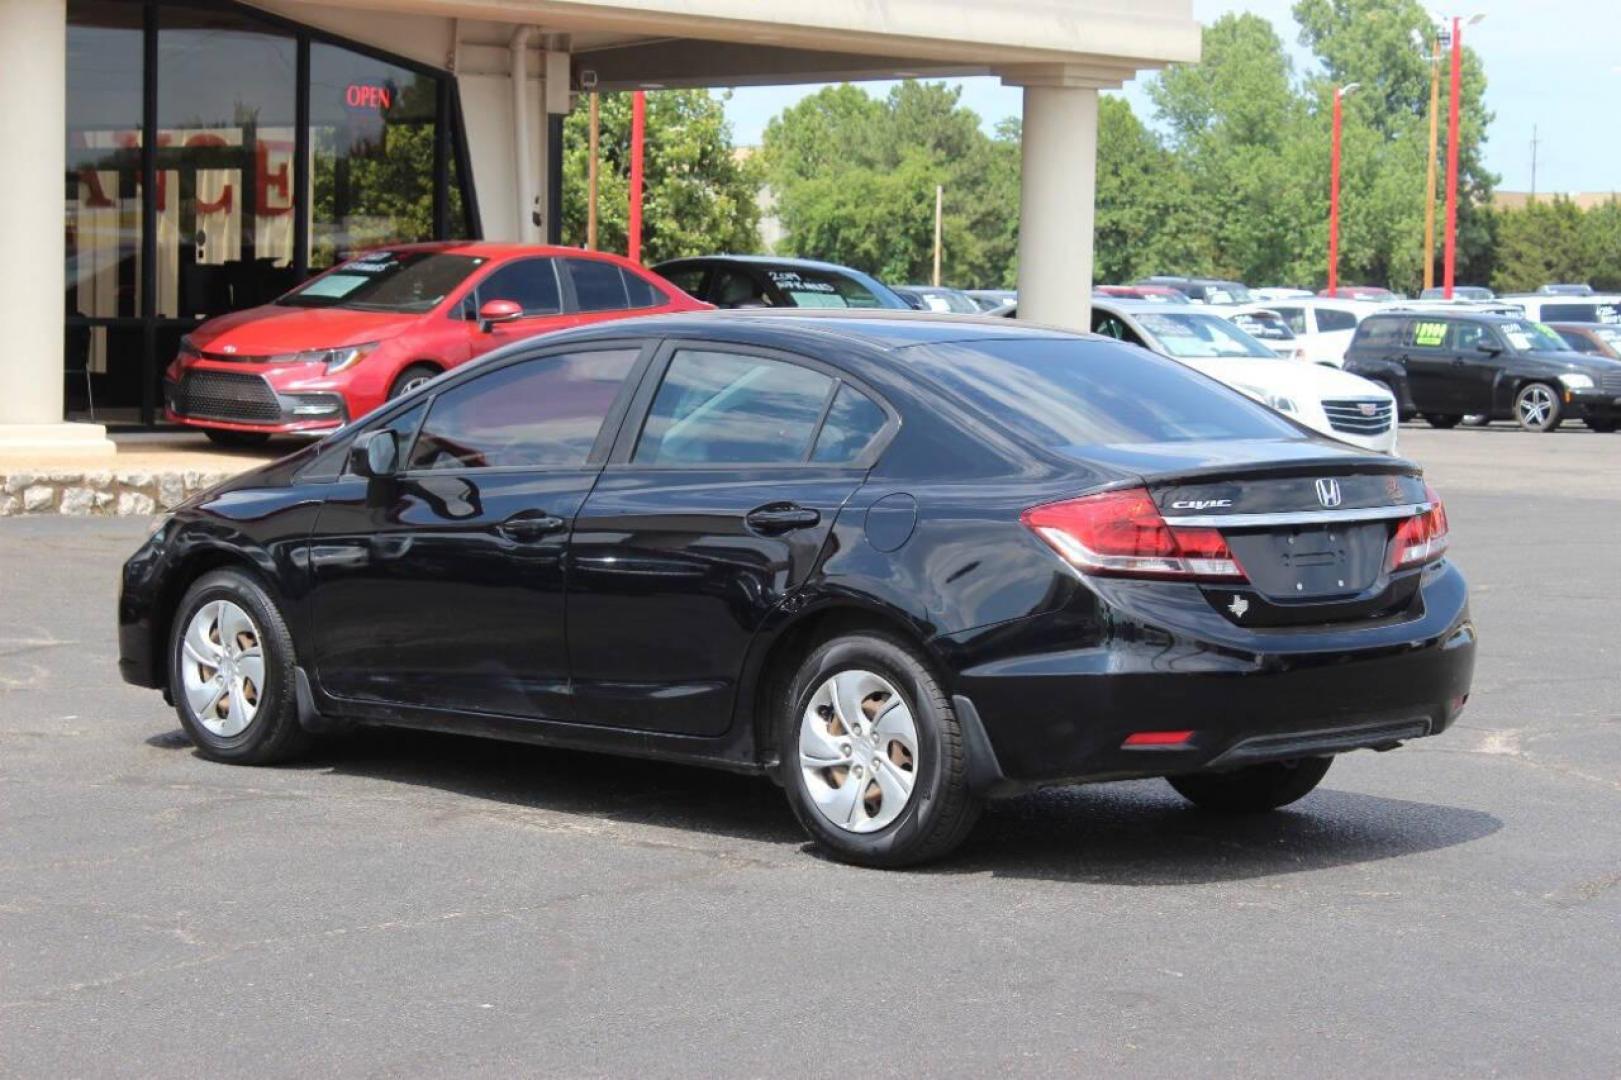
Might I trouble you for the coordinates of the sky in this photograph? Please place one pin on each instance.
(1551, 65)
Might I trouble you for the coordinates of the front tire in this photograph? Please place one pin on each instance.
(873, 758)
(411, 378)
(1442, 420)
(231, 672)
(1537, 407)
(1255, 789)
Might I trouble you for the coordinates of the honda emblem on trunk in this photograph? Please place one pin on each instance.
(1328, 492)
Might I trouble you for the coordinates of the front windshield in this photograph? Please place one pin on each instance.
(1533, 337)
(396, 281)
(1200, 336)
(814, 289)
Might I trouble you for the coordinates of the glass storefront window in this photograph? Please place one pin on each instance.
(102, 226)
(227, 95)
(371, 151)
(230, 205)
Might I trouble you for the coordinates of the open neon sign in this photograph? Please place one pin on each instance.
(364, 96)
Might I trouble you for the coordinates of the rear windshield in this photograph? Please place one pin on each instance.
(812, 288)
(1067, 394)
(404, 281)
(1590, 311)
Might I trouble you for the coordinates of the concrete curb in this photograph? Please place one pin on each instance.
(100, 492)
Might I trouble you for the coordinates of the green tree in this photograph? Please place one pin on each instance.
(1145, 220)
(1542, 242)
(699, 194)
(855, 179)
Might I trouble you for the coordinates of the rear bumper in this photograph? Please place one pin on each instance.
(1061, 716)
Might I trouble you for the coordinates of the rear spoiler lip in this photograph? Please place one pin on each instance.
(1300, 517)
(1378, 464)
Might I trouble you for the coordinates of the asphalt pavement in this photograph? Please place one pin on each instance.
(411, 904)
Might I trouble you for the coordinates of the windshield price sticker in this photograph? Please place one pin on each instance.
(1432, 334)
(1517, 338)
(1608, 313)
(379, 262)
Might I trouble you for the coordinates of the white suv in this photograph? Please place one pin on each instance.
(1323, 328)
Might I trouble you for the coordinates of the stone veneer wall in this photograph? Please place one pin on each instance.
(106, 492)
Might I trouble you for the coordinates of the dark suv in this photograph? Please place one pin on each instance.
(1445, 366)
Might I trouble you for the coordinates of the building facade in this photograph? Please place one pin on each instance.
(186, 158)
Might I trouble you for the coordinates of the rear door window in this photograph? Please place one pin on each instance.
(1426, 334)
(598, 285)
(541, 413)
(689, 279)
(718, 408)
(852, 424)
(1331, 319)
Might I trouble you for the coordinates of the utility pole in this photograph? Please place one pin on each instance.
(591, 182)
(1534, 141)
(1429, 187)
(939, 211)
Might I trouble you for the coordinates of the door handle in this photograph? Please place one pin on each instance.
(781, 518)
(528, 527)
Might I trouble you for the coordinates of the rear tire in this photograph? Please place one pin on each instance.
(873, 758)
(236, 439)
(232, 673)
(1537, 407)
(411, 378)
(1442, 420)
(1255, 789)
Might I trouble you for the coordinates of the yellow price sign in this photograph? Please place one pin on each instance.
(1430, 334)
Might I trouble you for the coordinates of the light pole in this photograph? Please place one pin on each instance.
(1433, 45)
(1334, 191)
(1450, 263)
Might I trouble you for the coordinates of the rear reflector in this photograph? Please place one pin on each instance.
(1121, 533)
(1157, 738)
(1420, 539)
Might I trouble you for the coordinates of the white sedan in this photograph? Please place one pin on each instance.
(1336, 403)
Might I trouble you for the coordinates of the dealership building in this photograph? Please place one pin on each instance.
(186, 158)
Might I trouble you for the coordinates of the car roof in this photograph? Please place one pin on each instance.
(766, 260)
(1471, 314)
(494, 249)
(883, 329)
(1157, 307)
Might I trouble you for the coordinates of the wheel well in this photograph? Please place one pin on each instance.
(179, 580)
(793, 644)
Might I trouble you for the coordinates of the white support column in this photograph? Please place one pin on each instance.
(1057, 191)
(33, 127)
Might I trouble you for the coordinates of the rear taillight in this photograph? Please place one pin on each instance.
(1420, 539)
(1121, 534)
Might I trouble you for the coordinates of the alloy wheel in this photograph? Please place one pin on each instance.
(222, 668)
(858, 751)
(1535, 406)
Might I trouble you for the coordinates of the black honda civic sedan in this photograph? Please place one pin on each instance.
(899, 563)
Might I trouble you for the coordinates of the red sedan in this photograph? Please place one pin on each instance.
(387, 321)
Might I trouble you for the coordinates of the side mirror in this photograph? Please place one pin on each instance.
(375, 454)
(495, 312)
(1489, 349)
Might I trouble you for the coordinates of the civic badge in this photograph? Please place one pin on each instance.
(1238, 607)
(1328, 491)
